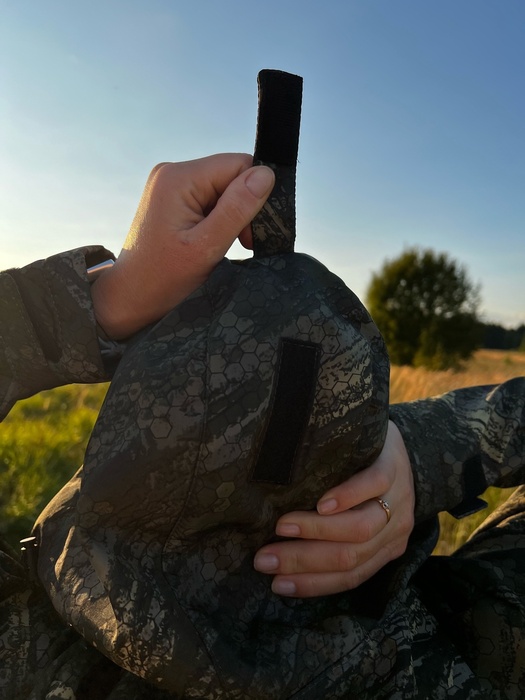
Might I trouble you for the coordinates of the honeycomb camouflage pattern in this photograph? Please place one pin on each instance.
(424, 627)
(149, 553)
(274, 227)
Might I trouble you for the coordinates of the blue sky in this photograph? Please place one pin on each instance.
(412, 131)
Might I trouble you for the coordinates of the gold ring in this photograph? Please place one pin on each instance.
(384, 505)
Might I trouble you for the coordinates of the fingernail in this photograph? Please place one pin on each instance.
(266, 562)
(260, 180)
(288, 530)
(327, 506)
(284, 587)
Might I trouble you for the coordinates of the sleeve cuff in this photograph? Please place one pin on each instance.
(53, 338)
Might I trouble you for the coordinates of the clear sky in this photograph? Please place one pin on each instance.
(413, 127)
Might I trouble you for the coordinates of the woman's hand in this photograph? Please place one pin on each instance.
(189, 215)
(350, 537)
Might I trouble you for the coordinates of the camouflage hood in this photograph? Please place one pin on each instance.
(261, 390)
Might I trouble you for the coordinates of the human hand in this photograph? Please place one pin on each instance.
(349, 538)
(189, 215)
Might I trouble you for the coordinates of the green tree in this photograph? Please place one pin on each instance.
(426, 308)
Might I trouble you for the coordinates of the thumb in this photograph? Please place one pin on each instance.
(240, 202)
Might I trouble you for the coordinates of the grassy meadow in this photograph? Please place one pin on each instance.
(42, 443)
(43, 439)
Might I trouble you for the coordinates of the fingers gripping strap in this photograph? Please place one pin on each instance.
(276, 145)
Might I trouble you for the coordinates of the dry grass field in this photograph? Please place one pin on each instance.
(43, 439)
(486, 367)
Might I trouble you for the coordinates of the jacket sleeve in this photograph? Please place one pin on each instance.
(461, 443)
(48, 333)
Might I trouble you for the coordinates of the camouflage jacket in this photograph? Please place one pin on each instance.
(424, 627)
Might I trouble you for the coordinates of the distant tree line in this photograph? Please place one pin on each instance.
(496, 337)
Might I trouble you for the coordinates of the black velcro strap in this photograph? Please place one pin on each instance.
(291, 405)
(279, 117)
(474, 483)
(276, 145)
(474, 476)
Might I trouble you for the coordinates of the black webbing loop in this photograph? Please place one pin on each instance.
(276, 145)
